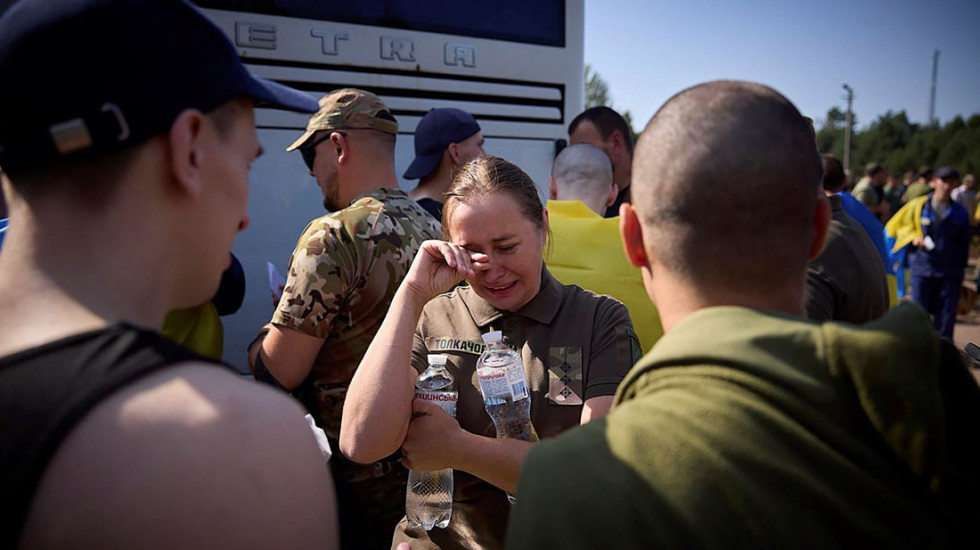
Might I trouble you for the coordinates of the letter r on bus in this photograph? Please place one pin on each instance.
(460, 54)
(401, 49)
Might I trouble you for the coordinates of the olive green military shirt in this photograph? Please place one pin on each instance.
(575, 345)
(866, 193)
(746, 429)
(847, 282)
(917, 189)
(342, 277)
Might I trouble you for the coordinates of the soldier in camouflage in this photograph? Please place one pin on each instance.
(342, 276)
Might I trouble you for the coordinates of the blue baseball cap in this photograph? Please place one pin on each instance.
(82, 78)
(947, 172)
(437, 129)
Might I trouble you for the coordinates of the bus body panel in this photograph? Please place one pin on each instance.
(523, 95)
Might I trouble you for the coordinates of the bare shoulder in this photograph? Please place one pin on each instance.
(190, 457)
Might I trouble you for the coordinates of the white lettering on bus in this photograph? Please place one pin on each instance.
(255, 35)
(329, 40)
(402, 49)
(460, 54)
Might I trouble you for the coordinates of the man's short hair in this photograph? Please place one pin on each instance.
(583, 169)
(90, 182)
(606, 122)
(726, 180)
(872, 169)
(833, 174)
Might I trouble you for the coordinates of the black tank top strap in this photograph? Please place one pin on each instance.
(46, 391)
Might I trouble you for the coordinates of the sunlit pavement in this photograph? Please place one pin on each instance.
(967, 328)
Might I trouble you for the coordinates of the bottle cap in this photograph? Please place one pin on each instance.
(493, 336)
(437, 359)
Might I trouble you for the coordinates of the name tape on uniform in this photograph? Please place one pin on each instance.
(434, 344)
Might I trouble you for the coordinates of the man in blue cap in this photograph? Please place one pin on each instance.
(125, 149)
(445, 139)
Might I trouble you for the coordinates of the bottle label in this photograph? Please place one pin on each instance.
(445, 399)
(515, 379)
(500, 385)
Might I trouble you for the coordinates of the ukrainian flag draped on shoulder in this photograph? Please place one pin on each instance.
(198, 328)
(586, 251)
(906, 225)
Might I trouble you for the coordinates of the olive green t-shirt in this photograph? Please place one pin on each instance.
(575, 345)
(746, 429)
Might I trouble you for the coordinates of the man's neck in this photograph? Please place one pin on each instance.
(623, 173)
(355, 184)
(595, 204)
(675, 300)
(58, 286)
(433, 186)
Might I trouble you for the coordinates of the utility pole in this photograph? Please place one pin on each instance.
(847, 127)
(932, 95)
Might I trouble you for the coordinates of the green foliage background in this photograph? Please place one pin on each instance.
(904, 146)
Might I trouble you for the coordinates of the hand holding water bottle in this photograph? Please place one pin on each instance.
(429, 497)
(429, 444)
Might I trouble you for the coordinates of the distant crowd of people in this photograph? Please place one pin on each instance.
(713, 355)
(923, 226)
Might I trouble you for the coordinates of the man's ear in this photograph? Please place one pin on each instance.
(453, 151)
(613, 193)
(552, 188)
(342, 145)
(617, 141)
(187, 148)
(820, 224)
(632, 236)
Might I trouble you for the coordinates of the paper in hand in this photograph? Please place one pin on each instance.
(276, 283)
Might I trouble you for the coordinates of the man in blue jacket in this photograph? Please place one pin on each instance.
(936, 260)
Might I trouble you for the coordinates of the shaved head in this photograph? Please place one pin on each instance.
(583, 172)
(726, 179)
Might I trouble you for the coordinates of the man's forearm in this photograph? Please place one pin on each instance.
(496, 461)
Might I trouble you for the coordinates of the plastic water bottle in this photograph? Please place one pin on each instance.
(505, 394)
(429, 499)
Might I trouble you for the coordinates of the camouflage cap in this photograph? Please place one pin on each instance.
(349, 109)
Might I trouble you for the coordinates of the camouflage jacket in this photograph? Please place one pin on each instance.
(342, 277)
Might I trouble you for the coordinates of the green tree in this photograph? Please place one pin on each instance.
(596, 88)
(597, 94)
(629, 122)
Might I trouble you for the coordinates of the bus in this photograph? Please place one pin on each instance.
(515, 65)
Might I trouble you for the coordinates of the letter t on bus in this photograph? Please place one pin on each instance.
(329, 40)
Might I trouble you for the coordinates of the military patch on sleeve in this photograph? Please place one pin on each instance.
(436, 343)
(636, 350)
(565, 375)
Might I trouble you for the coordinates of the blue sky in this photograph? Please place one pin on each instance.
(649, 50)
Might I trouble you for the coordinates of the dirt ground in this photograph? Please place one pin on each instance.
(968, 322)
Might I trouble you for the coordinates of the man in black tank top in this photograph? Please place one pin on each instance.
(127, 134)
